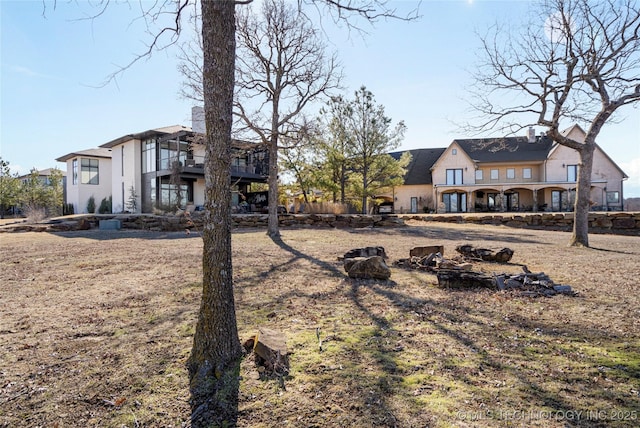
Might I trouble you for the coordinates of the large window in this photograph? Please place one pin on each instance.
(572, 173)
(455, 202)
(613, 197)
(89, 173)
(494, 174)
(173, 151)
(526, 173)
(478, 175)
(511, 173)
(149, 156)
(172, 195)
(454, 176)
(74, 171)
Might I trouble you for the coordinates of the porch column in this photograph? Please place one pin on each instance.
(470, 204)
(501, 201)
(535, 200)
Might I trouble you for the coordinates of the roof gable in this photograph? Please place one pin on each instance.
(419, 169)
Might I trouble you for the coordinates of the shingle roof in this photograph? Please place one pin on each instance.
(419, 169)
(506, 149)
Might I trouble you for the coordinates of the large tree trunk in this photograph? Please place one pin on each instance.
(580, 236)
(216, 352)
(272, 224)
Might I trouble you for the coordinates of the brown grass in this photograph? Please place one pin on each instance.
(95, 329)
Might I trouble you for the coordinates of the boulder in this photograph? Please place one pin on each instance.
(369, 268)
(365, 252)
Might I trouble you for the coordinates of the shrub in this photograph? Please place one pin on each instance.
(105, 206)
(91, 205)
(67, 209)
(34, 214)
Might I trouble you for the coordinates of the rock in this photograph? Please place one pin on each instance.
(459, 279)
(502, 256)
(425, 251)
(83, 224)
(369, 268)
(365, 252)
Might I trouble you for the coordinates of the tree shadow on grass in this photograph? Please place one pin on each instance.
(468, 328)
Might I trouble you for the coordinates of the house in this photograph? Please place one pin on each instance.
(416, 194)
(88, 174)
(160, 168)
(519, 173)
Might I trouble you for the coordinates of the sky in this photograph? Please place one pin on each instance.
(53, 62)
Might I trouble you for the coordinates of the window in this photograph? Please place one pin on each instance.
(149, 156)
(526, 173)
(454, 152)
(492, 199)
(478, 174)
(613, 197)
(74, 171)
(454, 176)
(455, 202)
(89, 171)
(494, 174)
(511, 173)
(572, 173)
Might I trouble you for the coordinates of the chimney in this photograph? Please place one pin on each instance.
(532, 135)
(197, 120)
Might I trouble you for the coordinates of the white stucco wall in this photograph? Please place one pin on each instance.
(450, 161)
(78, 194)
(126, 174)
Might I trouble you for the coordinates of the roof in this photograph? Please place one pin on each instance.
(146, 134)
(96, 153)
(506, 149)
(44, 173)
(419, 169)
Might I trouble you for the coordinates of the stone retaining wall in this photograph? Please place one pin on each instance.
(627, 223)
(618, 222)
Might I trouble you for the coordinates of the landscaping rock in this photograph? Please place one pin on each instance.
(369, 268)
(365, 252)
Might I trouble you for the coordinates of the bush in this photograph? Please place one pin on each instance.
(91, 205)
(67, 209)
(34, 214)
(105, 206)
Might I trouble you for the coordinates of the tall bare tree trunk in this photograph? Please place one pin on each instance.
(273, 229)
(580, 235)
(213, 364)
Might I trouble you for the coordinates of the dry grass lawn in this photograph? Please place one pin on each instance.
(95, 329)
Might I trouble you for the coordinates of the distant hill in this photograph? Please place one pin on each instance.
(632, 204)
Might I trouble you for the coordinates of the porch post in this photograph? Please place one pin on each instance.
(535, 200)
(501, 201)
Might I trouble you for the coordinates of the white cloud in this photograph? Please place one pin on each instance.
(30, 73)
(632, 185)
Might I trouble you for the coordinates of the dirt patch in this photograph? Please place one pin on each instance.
(96, 327)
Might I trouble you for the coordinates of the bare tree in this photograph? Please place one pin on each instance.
(213, 364)
(582, 64)
(282, 67)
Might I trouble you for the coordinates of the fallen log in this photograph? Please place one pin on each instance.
(461, 279)
(502, 256)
